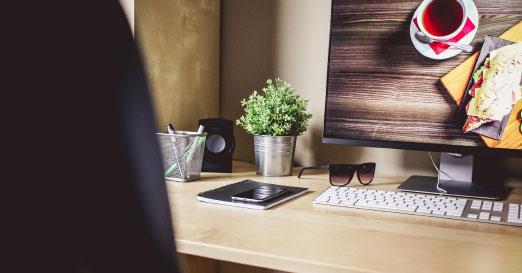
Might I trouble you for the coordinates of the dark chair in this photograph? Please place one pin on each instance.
(84, 134)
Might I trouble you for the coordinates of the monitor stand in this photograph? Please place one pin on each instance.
(455, 178)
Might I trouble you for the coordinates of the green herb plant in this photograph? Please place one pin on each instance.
(278, 113)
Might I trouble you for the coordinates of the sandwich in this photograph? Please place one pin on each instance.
(496, 87)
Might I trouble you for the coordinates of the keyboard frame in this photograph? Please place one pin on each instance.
(466, 211)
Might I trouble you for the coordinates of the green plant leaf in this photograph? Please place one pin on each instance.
(277, 113)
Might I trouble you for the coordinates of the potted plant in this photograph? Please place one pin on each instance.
(275, 119)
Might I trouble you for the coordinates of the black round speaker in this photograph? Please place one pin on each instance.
(219, 145)
(216, 143)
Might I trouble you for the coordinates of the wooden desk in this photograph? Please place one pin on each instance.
(299, 236)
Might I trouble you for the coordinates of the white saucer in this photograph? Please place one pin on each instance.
(426, 50)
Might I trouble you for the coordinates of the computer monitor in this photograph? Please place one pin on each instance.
(381, 92)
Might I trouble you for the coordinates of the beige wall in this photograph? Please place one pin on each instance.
(289, 39)
(180, 43)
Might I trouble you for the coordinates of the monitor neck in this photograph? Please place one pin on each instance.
(456, 167)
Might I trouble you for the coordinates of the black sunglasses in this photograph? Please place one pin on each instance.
(342, 174)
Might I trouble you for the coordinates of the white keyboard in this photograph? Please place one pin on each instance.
(422, 204)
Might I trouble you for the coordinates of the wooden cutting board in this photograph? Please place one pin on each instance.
(457, 79)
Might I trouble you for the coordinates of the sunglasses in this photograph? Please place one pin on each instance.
(342, 174)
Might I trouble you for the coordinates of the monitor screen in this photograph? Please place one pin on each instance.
(382, 92)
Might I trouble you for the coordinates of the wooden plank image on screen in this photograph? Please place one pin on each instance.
(381, 88)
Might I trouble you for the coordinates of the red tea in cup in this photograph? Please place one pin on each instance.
(442, 17)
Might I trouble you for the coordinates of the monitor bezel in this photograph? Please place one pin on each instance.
(414, 146)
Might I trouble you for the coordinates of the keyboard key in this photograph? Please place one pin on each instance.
(438, 212)
(423, 210)
(462, 202)
(476, 204)
(487, 205)
(472, 216)
(495, 218)
(456, 213)
(347, 202)
(484, 216)
(407, 208)
(334, 200)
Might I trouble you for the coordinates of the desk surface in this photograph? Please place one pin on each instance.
(299, 236)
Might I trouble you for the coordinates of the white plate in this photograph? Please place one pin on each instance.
(426, 50)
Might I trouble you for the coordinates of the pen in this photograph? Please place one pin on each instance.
(195, 144)
(170, 130)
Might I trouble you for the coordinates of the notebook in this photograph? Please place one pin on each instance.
(223, 195)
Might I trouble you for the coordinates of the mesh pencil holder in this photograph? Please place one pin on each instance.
(182, 155)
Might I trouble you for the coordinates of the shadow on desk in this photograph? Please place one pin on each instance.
(354, 184)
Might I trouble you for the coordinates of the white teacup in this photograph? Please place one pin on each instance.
(420, 18)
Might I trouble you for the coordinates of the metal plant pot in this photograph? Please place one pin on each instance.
(274, 155)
